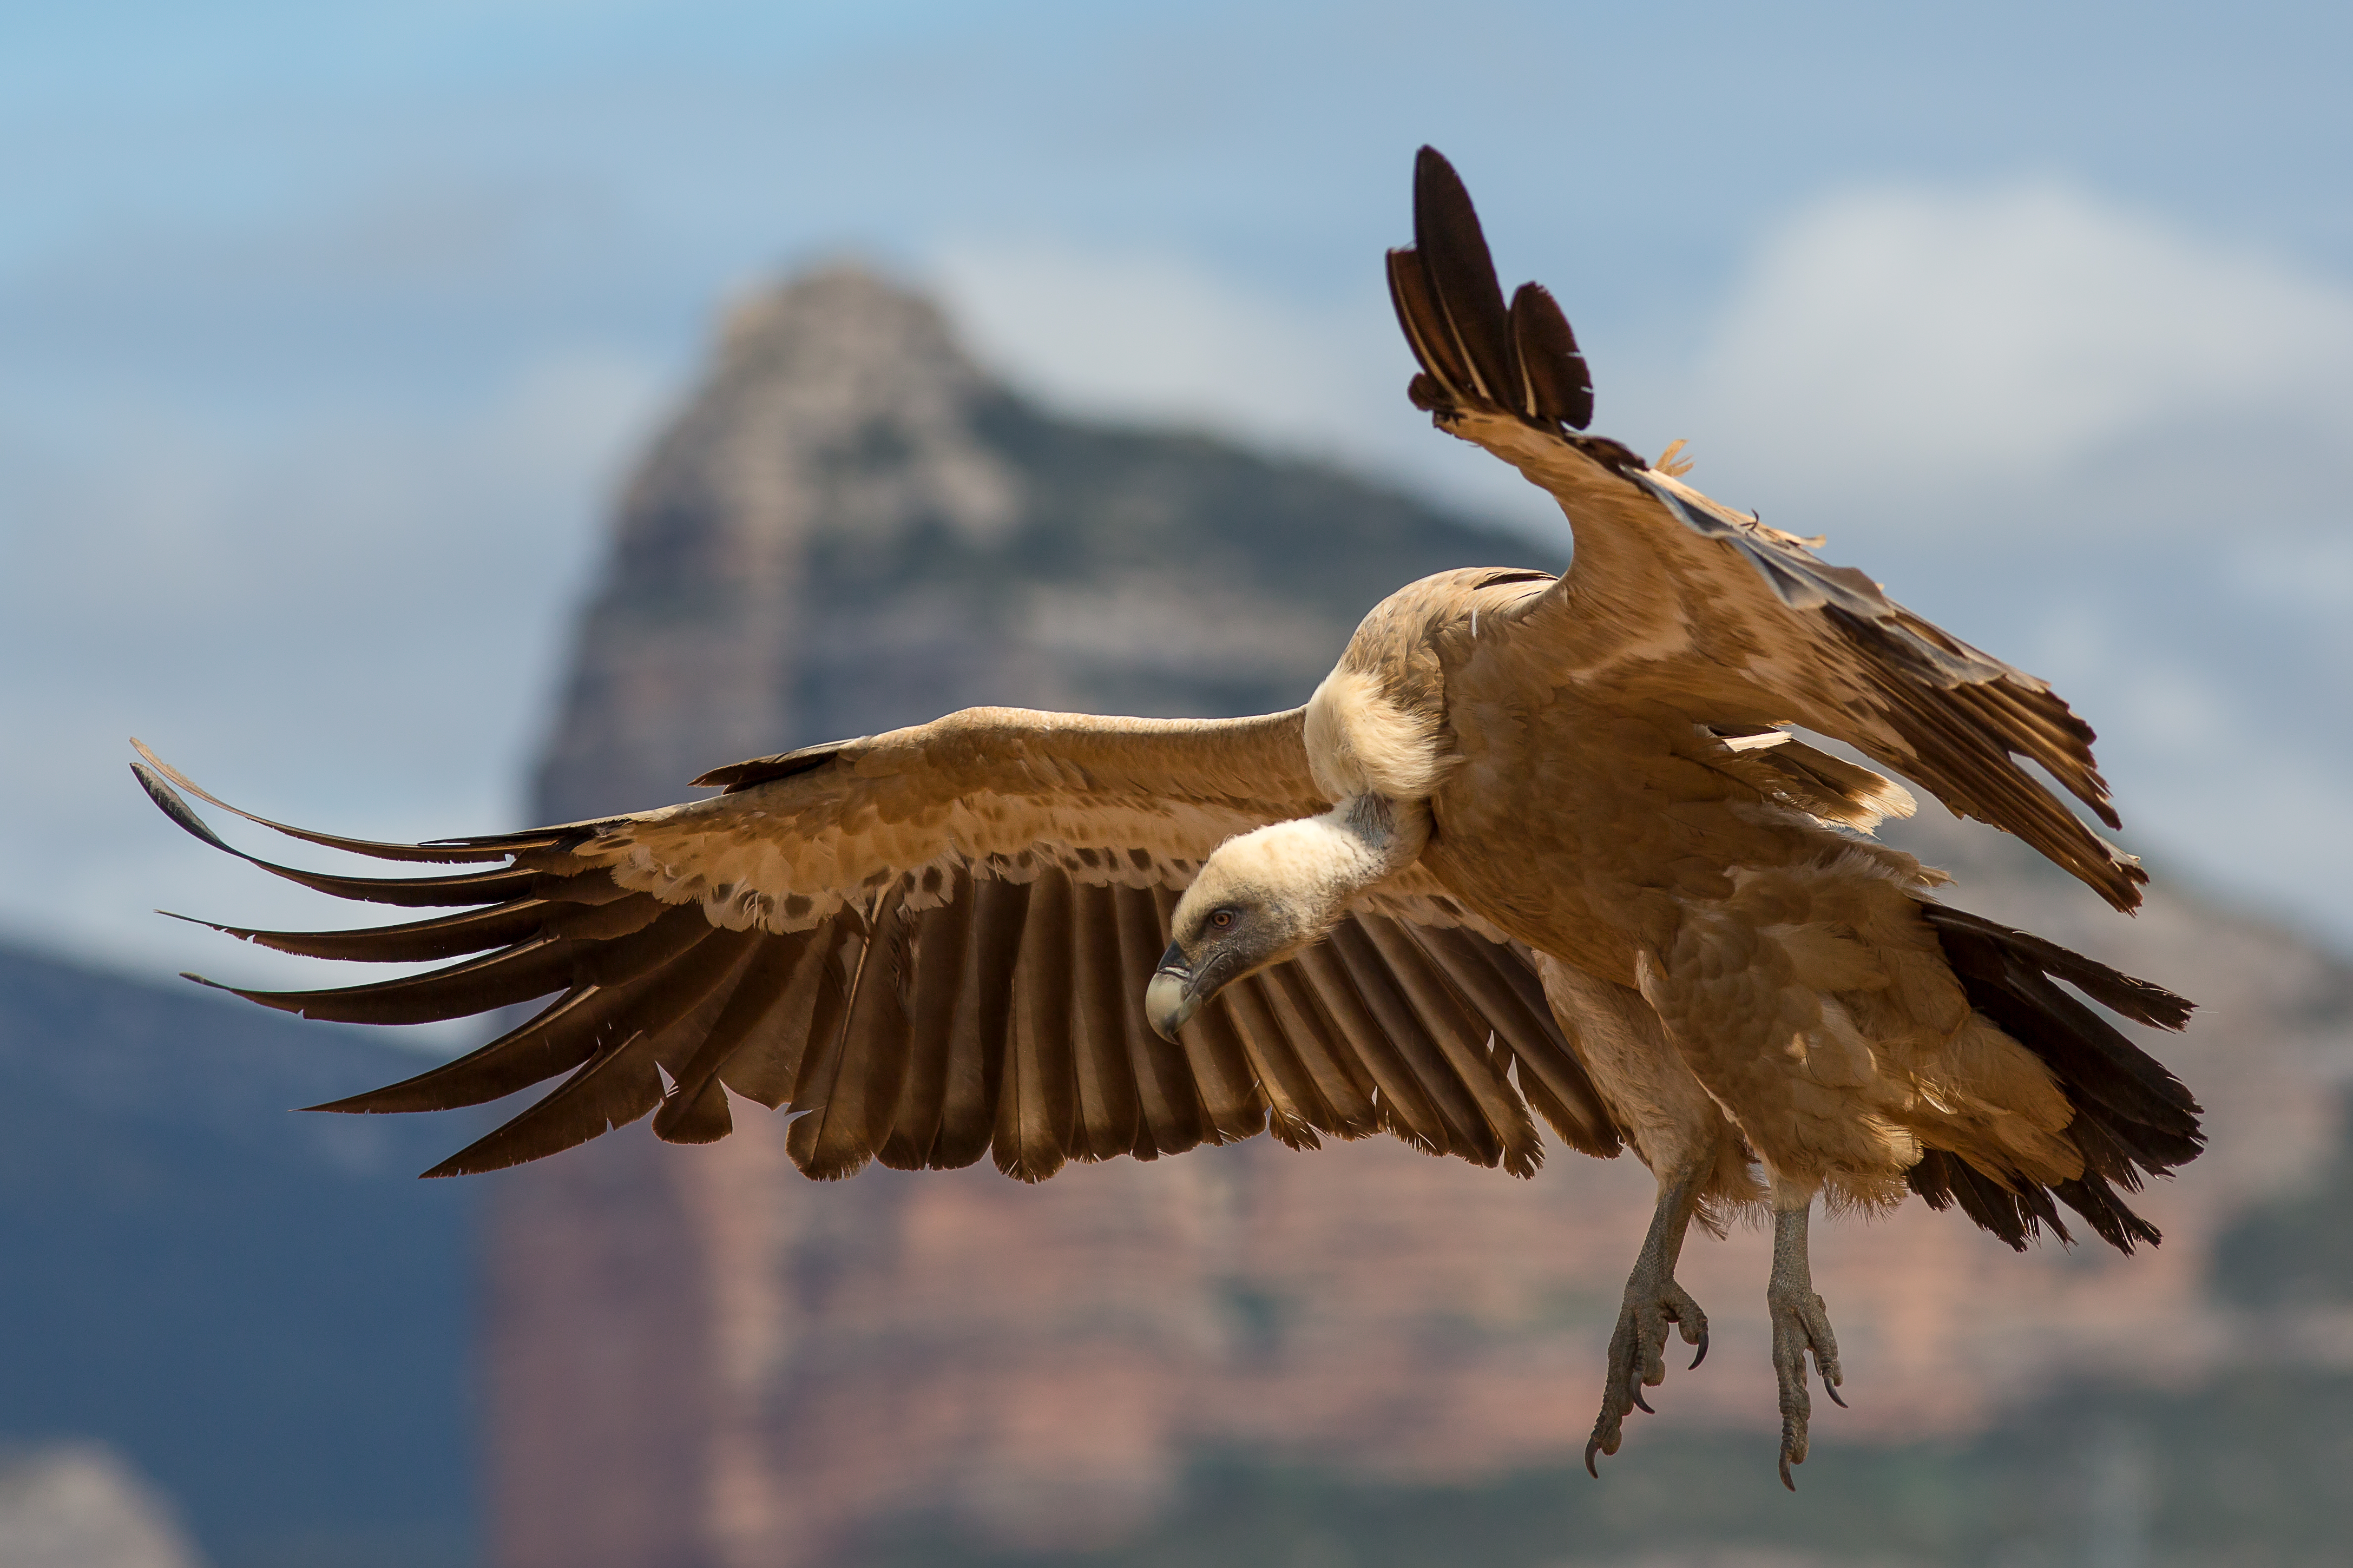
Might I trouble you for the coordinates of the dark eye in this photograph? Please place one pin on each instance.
(1222, 919)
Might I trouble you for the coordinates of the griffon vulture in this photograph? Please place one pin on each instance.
(1536, 848)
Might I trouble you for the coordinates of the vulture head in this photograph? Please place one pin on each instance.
(1264, 895)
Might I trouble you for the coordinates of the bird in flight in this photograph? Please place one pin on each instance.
(1539, 849)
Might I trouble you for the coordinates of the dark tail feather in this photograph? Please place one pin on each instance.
(2091, 1197)
(2016, 1215)
(2132, 1117)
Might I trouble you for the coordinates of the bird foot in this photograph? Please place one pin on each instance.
(1638, 1350)
(1800, 1323)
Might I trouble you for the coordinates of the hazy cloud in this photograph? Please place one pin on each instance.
(1150, 336)
(1922, 336)
(231, 594)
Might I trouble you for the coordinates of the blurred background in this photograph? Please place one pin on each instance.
(427, 420)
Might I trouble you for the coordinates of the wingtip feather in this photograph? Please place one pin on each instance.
(1555, 383)
(1460, 273)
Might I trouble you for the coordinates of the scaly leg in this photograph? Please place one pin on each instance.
(1653, 1299)
(1800, 1323)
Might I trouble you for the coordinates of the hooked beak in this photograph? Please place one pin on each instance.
(1169, 1000)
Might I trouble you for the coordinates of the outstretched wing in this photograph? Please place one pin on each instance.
(931, 945)
(1674, 598)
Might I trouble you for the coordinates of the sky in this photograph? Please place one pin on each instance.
(327, 333)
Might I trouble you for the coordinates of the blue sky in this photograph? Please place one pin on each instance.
(324, 333)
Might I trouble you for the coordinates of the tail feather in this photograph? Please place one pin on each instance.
(2091, 1197)
(2014, 1213)
(2133, 1118)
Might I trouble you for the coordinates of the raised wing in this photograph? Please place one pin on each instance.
(931, 945)
(1674, 598)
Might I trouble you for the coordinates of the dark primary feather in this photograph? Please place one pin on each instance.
(621, 1082)
(429, 892)
(937, 961)
(1453, 252)
(1555, 382)
(452, 852)
(1522, 361)
(420, 941)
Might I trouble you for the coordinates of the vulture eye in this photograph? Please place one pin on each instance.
(1222, 919)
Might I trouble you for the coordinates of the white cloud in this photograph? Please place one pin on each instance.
(2000, 335)
(1147, 335)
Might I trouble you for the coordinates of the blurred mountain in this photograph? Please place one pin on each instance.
(697, 1358)
(266, 1314)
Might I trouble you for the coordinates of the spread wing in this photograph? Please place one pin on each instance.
(1674, 598)
(931, 945)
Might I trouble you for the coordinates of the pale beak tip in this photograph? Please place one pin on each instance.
(1166, 1004)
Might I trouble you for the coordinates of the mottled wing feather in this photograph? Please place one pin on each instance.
(1676, 599)
(933, 945)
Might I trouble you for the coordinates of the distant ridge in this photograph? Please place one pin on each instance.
(264, 1312)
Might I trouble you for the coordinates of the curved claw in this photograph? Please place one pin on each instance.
(1801, 1327)
(1703, 1350)
(1654, 1309)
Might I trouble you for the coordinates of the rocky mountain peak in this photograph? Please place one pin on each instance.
(844, 319)
(843, 376)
